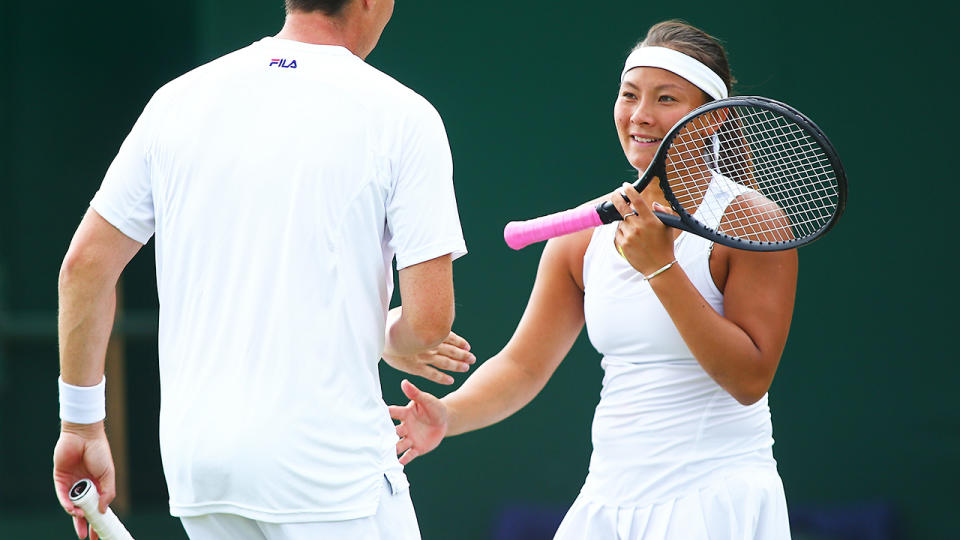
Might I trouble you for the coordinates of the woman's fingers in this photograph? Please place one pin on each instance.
(409, 456)
(632, 192)
(410, 390)
(398, 412)
(619, 201)
(639, 206)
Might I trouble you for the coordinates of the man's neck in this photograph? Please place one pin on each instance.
(317, 29)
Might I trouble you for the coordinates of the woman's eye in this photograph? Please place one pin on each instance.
(667, 98)
(628, 95)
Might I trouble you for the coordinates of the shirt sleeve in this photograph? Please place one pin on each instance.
(125, 198)
(422, 214)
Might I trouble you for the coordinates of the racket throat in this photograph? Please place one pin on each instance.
(671, 220)
(608, 212)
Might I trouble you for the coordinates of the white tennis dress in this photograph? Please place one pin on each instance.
(674, 455)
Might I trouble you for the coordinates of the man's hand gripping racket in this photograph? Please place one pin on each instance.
(788, 183)
(84, 495)
(82, 454)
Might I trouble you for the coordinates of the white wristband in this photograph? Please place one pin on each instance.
(82, 404)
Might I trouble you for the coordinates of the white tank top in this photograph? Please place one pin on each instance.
(662, 426)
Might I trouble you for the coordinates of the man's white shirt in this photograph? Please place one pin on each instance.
(280, 181)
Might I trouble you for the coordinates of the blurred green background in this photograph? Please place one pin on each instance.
(861, 403)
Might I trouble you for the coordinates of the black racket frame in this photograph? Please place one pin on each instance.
(684, 221)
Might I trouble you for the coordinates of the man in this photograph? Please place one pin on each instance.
(280, 181)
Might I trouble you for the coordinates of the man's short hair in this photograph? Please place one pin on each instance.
(328, 7)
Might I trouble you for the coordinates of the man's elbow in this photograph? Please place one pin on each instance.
(433, 329)
(83, 268)
(75, 265)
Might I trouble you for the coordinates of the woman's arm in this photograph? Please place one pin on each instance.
(741, 349)
(550, 325)
(509, 380)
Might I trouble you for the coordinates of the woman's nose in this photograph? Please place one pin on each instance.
(641, 113)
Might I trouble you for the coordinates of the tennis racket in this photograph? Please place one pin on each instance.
(84, 495)
(747, 172)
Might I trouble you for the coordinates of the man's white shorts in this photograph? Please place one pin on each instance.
(394, 520)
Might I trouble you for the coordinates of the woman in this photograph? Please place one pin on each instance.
(691, 335)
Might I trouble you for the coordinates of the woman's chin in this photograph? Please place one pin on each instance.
(640, 165)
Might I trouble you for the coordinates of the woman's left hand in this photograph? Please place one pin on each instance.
(643, 240)
(423, 423)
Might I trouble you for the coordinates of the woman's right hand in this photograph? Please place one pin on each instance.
(645, 242)
(423, 423)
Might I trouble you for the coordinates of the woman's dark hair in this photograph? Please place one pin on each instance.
(691, 41)
(735, 158)
(328, 7)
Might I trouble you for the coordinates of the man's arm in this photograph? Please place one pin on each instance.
(97, 255)
(426, 315)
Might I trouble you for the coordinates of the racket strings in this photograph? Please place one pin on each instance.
(784, 183)
(796, 173)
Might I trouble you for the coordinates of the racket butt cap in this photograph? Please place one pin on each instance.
(513, 237)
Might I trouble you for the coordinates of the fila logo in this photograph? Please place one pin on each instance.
(282, 62)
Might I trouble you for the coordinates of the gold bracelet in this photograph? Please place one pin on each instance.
(660, 271)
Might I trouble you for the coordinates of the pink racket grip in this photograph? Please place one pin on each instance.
(520, 234)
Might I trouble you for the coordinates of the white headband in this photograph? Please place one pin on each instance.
(685, 66)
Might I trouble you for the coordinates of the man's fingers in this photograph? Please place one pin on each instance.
(448, 363)
(457, 341)
(80, 525)
(432, 374)
(456, 353)
(439, 377)
(108, 489)
(64, 499)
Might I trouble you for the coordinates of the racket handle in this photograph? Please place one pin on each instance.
(520, 234)
(609, 213)
(84, 495)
